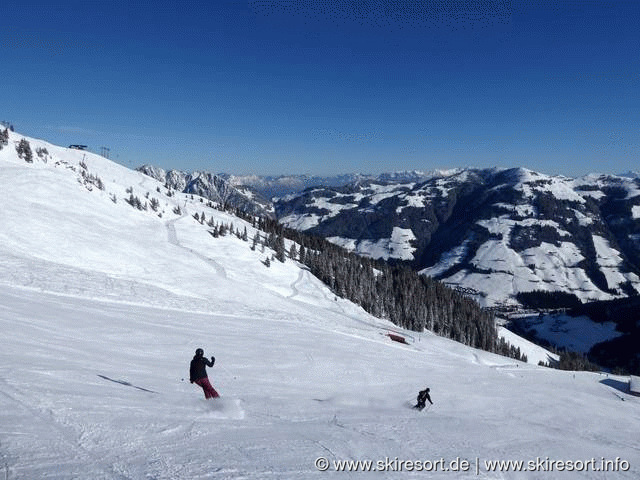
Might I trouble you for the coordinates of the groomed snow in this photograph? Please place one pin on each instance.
(102, 306)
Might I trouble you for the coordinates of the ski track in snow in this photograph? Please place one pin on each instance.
(172, 236)
(60, 437)
(294, 289)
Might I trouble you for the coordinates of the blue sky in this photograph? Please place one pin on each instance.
(326, 87)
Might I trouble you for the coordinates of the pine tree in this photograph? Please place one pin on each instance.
(24, 150)
(4, 138)
(254, 242)
(281, 253)
(40, 151)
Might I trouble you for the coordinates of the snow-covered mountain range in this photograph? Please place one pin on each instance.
(108, 283)
(213, 187)
(278, 186)
(255, 193)
(494, 233)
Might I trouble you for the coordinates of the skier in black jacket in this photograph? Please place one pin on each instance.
(423, 396)
(198, 373)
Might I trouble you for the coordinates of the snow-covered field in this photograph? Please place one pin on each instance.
(102, 307)
(396, 246)
(576, 334)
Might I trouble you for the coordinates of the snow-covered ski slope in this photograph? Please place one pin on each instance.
(103, 305)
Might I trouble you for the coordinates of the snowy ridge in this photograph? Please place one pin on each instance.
(102, 305)
(272, 187)
(211, 187)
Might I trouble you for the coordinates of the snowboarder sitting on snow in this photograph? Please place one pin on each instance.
(198, 373)
(423, 396)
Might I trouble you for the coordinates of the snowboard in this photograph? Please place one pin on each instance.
(413, 406)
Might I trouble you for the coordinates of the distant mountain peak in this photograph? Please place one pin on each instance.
(212, 187)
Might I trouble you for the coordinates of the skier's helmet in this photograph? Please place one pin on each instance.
(199, 352)
(428, 390)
